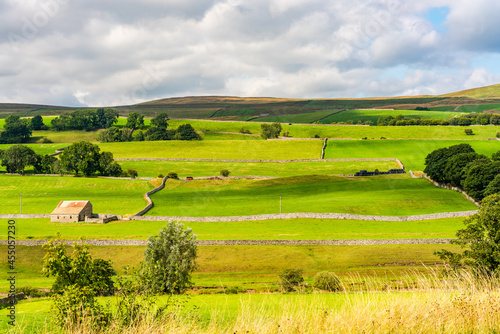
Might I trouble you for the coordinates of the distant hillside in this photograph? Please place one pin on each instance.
(488, 92)
(256, 108)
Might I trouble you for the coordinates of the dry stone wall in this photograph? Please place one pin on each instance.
(308, 215)
(148, 199)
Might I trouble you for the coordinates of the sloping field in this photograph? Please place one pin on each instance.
(276, 169)
(411, 153)
(41, 194)
(228, 149)
(297, 118)
(492, 91)
(383, 195)
(282, 229)
(41, 149)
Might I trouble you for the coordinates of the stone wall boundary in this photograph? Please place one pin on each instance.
(307, 215)
(150, 204)
(261, 160)
(325, 242)
(43, 215)
(324, 148)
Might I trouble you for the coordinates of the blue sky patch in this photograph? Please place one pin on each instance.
(437, 16)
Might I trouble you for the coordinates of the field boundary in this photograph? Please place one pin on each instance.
(260, 160)
(330, 242)
(308, 215)
(150, 204)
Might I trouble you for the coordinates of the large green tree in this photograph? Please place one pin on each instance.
(454, 170)
(479, 177)
(170, 257)
(135, 121)
(17, 157)
(37, 123)
(269, 131)
(81, 157)
(16, 130)
(160, 121)
(436, 160)
(480, 238)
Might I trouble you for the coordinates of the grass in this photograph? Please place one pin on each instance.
(276, 169)
(286, 229)
(478, 108)
(229, 149)
(41, 194)
(387, 195)
(249, 266)
(297, 118)
(411, 153)
(41, 149)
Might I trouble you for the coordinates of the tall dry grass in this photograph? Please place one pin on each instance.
(416, 304)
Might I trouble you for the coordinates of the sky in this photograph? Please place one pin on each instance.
(108, 53)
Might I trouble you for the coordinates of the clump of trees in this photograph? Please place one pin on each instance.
(158, 131)
(18, 157)
(270, 131)
(460, 166)
(16, 130)
(86, 158)
(87, 119)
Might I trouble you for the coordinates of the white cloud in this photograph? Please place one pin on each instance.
(109, 53)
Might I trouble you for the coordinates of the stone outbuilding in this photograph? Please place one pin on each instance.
(71, 211)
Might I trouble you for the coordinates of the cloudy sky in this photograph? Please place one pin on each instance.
(102, 53)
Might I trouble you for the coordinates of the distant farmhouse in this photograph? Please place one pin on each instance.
(71, 211)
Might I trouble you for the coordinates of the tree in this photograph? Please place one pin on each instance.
(436, 160)
(17, 157)
(481, 237)
(269, 131)
(496, 156)
(106, 117)
(186, 132)
(108, 166)
(132, 173)
(469, 132)
(160, 121)
(112, 134)
(478, 178)
(36, 123)
(82, 156)
(16, 130)
(170, 257)
(493, 187)
(134, 121)
(454, 168)
(156, 133)
(225, 172)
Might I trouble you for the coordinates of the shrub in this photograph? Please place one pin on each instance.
(46, 140)
(327, 281)
(33, 292)
(225, 172)
(468, 132)
(173, 175)
(286, 134)
(316, 136)
(132, 173)
(161, 176)
(244, 130)
(498, 134)
(291, 279)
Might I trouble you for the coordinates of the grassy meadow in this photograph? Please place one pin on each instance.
(274, 169)
(41, 194)
(381, 195)
(228, 149)
(411, 153)
(373, 115)
(275, 229)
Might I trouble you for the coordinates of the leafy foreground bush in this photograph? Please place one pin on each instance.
(291, 279)
(459, 304)
(327, 281)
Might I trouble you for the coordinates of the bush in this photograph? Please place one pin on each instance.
(244, 130)
(316, 136)
(498, 134)
(46, 140)
(33, 292)
(173, 175)
(468, 132)
(161, 176)
(291, 279)
(225, 172)
(132, 173)
(327, 281)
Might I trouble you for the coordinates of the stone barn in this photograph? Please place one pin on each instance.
(71, 211)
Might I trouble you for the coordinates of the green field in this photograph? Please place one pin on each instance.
(41, 149)
(297, 118)
(383, 195)
(286, 229)
(275, 169)
(41, 194)
(205, 149)
(411, 153)
(479, 108)
(374, 115)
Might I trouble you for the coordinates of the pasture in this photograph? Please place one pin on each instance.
(274, 169)
(380, 195)
(41, 194)
(228, 149)
(373, 115)
(277, 229)
(411, 153)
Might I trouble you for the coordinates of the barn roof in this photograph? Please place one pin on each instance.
(69, 207)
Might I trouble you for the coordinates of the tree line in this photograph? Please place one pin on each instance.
(463, 120)
(79, 158)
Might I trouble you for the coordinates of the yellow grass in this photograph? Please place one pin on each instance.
(458, 304)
